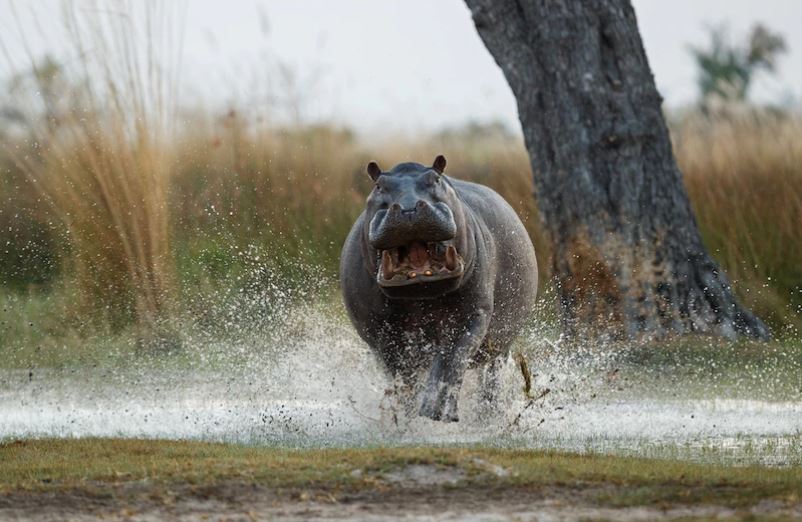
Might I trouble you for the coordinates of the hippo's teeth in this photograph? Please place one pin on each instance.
(387, 265)
(451, 258)
(428, 273)
(413, 275)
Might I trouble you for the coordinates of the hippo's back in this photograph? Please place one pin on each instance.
(515, 263)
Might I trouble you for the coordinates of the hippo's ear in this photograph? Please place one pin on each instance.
(439, 164)
(374, 171)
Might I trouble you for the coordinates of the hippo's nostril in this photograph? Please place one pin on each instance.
(419, 205)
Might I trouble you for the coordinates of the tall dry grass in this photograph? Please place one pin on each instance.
(293, 193)
(245, 182)
(95, 142)
(743, 170)
(298, 191)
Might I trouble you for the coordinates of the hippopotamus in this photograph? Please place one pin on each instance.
(437, 275)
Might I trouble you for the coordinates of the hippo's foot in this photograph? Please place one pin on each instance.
(440, 403)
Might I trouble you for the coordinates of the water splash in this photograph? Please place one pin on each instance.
(295, 374)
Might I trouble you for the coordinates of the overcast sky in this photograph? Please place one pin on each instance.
(408, 64)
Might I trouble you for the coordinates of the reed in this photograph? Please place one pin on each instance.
(95, 144)
(743, 170)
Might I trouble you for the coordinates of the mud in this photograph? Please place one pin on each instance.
(401, 496)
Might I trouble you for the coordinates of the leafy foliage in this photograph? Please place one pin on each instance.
(727, 70)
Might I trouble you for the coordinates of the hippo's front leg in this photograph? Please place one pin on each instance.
(448, 369)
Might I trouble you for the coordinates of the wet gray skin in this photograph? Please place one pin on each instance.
(438, 275)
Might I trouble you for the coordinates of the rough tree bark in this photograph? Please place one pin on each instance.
(628, 256)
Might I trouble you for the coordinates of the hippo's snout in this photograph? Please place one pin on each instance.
(398, 226)
(415, 245)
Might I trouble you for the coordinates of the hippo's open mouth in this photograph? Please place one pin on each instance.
(419, 262)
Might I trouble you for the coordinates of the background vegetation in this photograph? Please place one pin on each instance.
(122, 212)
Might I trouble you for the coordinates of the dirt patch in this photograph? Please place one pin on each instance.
(416, 475)
(421, 475)
(403, 494)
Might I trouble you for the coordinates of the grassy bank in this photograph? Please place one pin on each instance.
(102, 467)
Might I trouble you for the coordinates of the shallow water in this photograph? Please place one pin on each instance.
(320, 386)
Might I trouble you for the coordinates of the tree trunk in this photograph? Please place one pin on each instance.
(628, 257)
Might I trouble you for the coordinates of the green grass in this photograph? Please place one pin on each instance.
(250, 302)
(47, 465)
(707, 366)
(37, 329)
